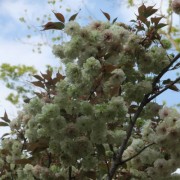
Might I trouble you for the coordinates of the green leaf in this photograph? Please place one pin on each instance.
(60, 17)
(106, 15)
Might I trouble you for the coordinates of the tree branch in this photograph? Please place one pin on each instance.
(167, 87)
(70, 172)
(118, 159)
(145, 147)
(156, 80)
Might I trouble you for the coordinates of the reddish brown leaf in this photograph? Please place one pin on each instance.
(73, 17)
(53, 25)
(48, 75)
(5, 117)
(38, 77)
(38, 94)
(150, 11)
(38, 84)
(114, 20)
(109, 68)
(161, 25)
(167, 81)
(142, 18)
(141, 9)
(3, 124)
(5, 152)
(155, 20)
(60, 17)
(90, 174)
(23, 161)
(59, 76)
(174, 88)
(106, 15)
(40, 145)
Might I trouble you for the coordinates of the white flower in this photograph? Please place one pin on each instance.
(164, 112)
(176, 6)
(72, 28)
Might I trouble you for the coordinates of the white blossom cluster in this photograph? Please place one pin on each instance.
(107, 70)
(161, 159)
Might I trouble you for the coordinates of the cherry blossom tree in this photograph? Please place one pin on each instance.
(99, 120)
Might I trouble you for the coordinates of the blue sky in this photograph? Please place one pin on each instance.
(16, 48)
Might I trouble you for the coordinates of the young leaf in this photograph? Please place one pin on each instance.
(114, 20)
(73, 17)
(109, 68)
(155, 20)
(150, 11)
(38, 84)
(100, 150)
(60, 17)
(38, 77)
(3, 124)
(174, 88)
(142, 18)
(48, 75)
(23, 161)
(53, 25)
(5, 117)
(161, 25)
(141, 9)
(38, 94)
(106, 15)
(167, 81)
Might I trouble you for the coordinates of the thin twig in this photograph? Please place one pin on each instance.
(118, 159)
(156, 80)
(145, 147)
(167, 87)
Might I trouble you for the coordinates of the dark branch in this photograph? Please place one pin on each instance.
(118, 160)
(156, 80)
(70, 172)
(145, 147)
(167, 87)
